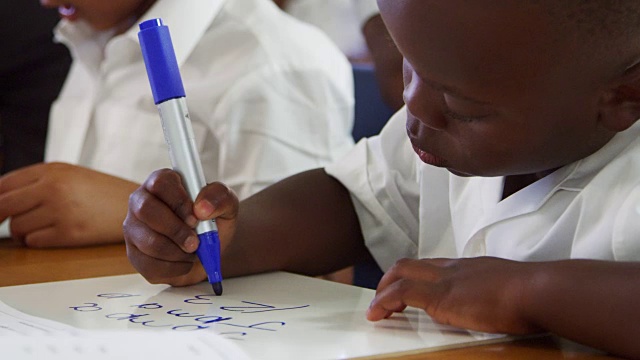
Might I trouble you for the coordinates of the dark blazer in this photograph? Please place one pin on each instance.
(32, 71)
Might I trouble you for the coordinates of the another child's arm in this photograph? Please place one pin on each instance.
(588, 301)
(304, 224)
(387, 60)
(281, 3)
(57, 204)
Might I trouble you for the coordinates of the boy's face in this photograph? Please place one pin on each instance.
(100, 14)
(491, 91)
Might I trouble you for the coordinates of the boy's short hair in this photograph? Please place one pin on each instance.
(608, 17)
(606, 29)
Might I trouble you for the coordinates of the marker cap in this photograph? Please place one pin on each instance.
(160, 61)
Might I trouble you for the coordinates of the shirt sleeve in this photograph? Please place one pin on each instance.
(381, 175)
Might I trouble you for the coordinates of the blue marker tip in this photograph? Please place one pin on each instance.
(209, 254)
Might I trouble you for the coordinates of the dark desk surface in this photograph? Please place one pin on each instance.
(20, 266)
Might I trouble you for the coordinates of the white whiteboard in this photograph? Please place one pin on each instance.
(270, 316)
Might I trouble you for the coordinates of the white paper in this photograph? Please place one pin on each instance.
(25, 337)
(110, 345)
(269, 316)
(4, 229)
(14, 322)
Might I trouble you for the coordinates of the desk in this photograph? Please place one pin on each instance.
(20, 265)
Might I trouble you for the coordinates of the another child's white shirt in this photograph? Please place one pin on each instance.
(587, 209)
(341, 20)
(268, 96)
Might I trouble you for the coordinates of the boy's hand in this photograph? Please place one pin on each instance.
(159, 228)
(483, 294)
(57, 204)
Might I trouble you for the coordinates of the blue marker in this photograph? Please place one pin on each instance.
(169, 96)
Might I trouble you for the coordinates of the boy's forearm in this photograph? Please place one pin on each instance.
(304, 224)
(591, 302)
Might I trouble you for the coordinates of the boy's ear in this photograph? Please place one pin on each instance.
(620, 105)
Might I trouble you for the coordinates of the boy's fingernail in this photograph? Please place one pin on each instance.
(369, 314)
(191, 221)
(191, 244)
(206, 208)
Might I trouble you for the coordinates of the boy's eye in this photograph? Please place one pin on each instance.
(455, 116)
(450, 102)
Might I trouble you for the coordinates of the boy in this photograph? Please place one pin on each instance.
(268, 97)
(523, 117)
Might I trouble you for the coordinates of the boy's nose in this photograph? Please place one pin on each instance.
(425, 103)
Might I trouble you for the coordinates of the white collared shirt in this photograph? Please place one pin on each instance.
(587, 209)
(268, 96)
(341, 20)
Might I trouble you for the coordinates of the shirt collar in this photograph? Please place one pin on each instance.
(572, 177)
(584, 169)
(85, 44)
(575, 176)
(187, 22)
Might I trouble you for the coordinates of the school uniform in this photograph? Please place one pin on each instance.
(268, 96)
(341, 20)
(587, 209)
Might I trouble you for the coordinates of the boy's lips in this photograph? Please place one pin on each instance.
(67, 12)
(429, 158)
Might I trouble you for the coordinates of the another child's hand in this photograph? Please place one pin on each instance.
(58, 204)
(483, 294)
(159, 228)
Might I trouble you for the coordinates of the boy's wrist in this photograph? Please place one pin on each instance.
(540, 283)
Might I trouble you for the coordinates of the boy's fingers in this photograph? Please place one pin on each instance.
(147, 215)
(44, 237)
(397, 296)
(154, 230)
(409, 282)
(20, 178)
(25, 224)
(154, 270)
(216, 200)
(166, 185)
(418, 270)
(19, 200)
